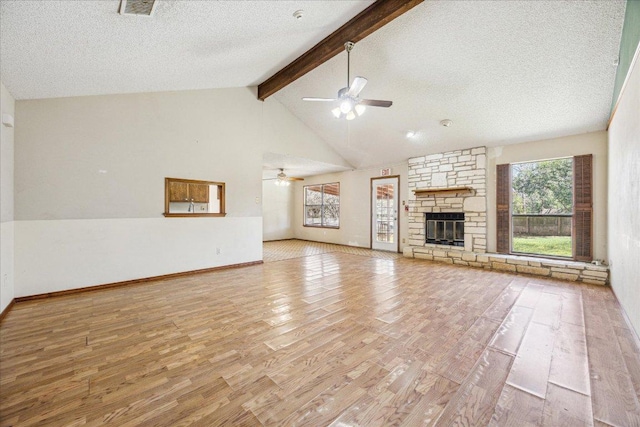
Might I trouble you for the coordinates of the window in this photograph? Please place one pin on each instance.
(322, 205)
(542, 207)
(546, 208)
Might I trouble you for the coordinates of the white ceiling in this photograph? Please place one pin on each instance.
(53, 48)
(503, 71)
(295, 166)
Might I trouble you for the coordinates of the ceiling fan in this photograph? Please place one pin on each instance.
(283, 180)
(350, 105)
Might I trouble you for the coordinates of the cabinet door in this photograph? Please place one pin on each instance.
(199, 193)
(178, 192)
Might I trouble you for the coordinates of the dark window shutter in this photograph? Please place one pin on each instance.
(582, 207)
(503, 219)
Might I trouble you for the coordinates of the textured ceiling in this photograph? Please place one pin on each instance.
(52, 48)
(503, 71)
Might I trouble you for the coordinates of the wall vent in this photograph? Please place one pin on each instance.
(137, 7)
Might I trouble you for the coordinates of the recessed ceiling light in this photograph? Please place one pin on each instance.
(446, 123)
(411, 134)
(298, 14)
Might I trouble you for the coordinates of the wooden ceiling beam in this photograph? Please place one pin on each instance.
(366, 22)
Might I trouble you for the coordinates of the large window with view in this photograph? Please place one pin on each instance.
(322, 205)
(542, 207)
(546, 207)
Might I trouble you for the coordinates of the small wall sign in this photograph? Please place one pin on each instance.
(385, 172)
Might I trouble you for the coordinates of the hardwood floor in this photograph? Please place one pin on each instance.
(325, 338)
(286, 249)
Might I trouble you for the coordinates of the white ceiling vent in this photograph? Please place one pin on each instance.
(137, 7)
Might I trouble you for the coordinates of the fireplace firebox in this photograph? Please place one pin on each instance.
(444, 228)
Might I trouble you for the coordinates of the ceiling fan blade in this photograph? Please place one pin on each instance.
(319, 99)
(376, 103)
(293, 178)
(358, 84)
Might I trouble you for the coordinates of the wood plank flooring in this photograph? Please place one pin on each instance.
(286, 249)
(323, 335)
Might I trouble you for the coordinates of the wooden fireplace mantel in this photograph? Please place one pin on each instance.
(445, 191)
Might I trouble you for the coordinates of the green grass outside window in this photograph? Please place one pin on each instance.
(545, 245)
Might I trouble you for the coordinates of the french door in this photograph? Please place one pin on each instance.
(384, 214)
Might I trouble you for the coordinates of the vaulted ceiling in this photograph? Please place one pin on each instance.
(502, 71)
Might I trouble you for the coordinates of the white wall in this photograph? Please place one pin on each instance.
(354, 214)
(277, 211)
(590, 143)
(355, 207)
(283, 133)
(57, 255)
(624, 197)
(7, 106)
(86, 167)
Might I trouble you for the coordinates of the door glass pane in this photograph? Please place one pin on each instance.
(385, 213)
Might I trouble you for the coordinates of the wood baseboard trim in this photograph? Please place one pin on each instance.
(6, 310)
(132, 282)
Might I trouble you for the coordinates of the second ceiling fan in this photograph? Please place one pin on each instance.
(282, 179)
(350, 105)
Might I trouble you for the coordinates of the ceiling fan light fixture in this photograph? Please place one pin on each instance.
(349, 103)
(345, 106)
(282, 180)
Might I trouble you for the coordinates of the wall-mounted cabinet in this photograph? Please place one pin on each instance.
(181, 191)
(188, 197)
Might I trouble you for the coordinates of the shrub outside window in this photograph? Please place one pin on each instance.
(322, 205)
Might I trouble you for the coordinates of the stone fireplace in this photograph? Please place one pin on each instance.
(448, 208)
(450, 189)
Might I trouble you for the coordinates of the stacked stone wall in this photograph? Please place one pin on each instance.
(557, 269)
(453, 169)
